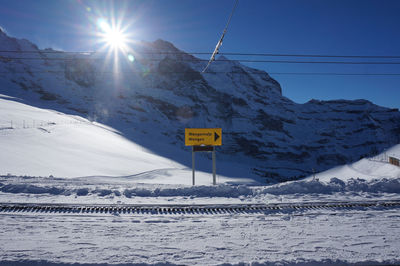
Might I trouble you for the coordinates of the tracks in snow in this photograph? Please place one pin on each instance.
(209, 209)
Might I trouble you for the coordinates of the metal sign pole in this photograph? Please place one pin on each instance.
(203, 140)
(193, 165)
(214, 167)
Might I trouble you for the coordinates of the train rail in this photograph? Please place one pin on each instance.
(191, 209)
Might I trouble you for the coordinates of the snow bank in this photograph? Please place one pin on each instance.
(335, 185)
(196, 191)
(300, 262)
(11, 185)
(48, 263)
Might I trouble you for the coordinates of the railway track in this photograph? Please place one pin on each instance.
(191, 209)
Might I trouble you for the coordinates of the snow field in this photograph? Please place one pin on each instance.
(313, 237)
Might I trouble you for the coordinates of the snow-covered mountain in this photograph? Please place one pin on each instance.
(152, 99)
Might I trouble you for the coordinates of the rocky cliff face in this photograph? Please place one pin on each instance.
(152, 99)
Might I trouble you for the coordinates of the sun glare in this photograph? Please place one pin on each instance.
(112, 36)
(115, 39)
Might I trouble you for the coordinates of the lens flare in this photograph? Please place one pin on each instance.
(103, 25)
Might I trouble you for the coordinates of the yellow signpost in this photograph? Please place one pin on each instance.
(203, 136)
(203, 139)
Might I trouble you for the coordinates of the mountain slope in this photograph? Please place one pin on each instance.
(45, 143)
(154, 98)
(48, 142)
(377, 167)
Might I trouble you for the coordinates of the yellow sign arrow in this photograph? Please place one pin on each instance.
(203, 136)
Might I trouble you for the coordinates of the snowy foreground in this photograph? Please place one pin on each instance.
(57, 158)
(299, 237)
(314, 237)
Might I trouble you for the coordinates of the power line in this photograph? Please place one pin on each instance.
(48, 58)
(314, 62)
(48, 52)
(313, 55)
(208, 53)
(212, 73)
(333, 74)
(220, 60)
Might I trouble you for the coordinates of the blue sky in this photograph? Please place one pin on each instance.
(339, 27)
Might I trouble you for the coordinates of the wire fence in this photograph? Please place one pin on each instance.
(25, 124)
(386, 158)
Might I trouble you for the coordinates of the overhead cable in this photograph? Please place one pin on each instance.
(207, 53)
(3, 58)
(210, 73)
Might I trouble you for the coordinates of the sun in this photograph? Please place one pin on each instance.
(115, 42)
(115, 39)
(112, 36)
